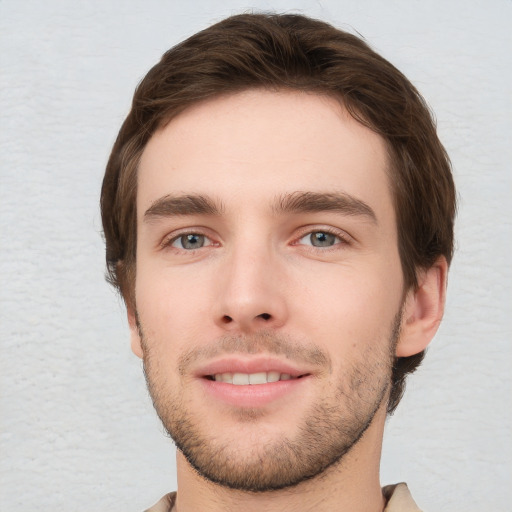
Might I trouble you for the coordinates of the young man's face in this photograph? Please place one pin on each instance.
(266, 251)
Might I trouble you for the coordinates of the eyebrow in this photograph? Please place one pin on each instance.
(169, 206)
(296, 202)
(310, 202)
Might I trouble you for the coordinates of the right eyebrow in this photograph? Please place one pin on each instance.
(170, 206)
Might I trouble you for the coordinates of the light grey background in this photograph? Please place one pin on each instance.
(77, 430)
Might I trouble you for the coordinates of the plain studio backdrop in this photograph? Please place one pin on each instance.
(77, 429)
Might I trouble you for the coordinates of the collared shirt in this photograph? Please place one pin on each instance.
(398, 498)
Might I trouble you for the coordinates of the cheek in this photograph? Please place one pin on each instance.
(171, 308)
(355, 309)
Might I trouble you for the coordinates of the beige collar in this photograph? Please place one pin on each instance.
(399, 499)
(398, 496)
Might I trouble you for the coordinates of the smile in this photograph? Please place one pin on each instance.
(255, 381)
(244, 379)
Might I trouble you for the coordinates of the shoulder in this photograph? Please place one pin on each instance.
(165, 504)
(399, 499)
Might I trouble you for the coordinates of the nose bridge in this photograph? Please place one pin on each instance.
(249, 293)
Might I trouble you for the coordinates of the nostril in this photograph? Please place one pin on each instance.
(265, 316)
(226, 319)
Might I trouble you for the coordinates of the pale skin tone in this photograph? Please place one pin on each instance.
(255, 267)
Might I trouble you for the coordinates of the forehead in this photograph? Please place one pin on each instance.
(256, 145)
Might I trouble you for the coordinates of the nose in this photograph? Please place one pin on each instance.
(251, 292)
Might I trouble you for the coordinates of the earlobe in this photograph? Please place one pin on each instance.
(423, 310)
(135, 340)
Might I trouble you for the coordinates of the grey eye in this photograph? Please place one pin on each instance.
(320, 239)
(190, 241)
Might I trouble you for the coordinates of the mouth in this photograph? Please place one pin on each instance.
(244, 379)
(252, 382)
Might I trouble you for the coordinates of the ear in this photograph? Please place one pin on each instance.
(423, 310)
(135, 340)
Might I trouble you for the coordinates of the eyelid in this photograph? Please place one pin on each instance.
(170, 238)
(343, 236)
(167, 241)
(207, 242)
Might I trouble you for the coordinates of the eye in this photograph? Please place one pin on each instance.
(191, 241)
(320, 239)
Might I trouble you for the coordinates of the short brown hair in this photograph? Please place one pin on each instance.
(294, 52)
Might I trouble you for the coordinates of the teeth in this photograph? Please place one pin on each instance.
(257, 378)
(243, 379)
(273, 376)
(239, 379)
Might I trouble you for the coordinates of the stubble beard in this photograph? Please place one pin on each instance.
(329, 430)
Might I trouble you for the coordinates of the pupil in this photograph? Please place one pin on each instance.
(192, 241)
(321, 239)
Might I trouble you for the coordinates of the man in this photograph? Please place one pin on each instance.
(278, 214)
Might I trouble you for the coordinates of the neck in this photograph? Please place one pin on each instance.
(350, 485)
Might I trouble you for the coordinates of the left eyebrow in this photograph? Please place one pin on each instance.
(310, 202)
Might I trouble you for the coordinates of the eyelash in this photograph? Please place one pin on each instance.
(168, 242)
(342, 237)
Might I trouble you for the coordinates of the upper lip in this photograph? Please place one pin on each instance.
(253, 364)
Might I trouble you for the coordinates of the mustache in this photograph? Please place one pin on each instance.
(263, 342)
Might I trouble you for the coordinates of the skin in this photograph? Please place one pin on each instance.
(258, 283)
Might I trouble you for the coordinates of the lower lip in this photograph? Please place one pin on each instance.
(255, 395)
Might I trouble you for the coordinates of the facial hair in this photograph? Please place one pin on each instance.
(329, 430)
